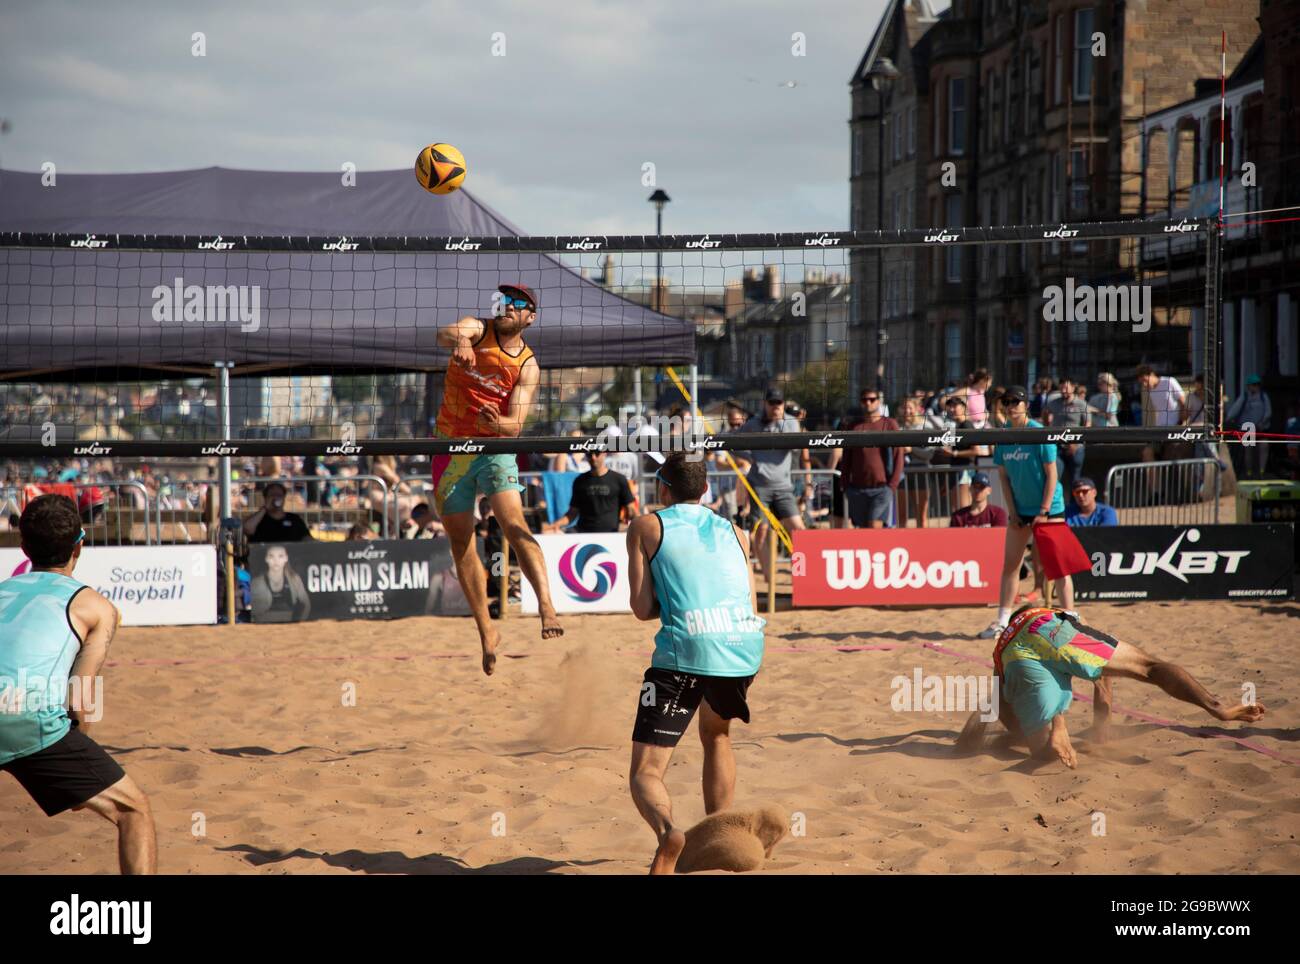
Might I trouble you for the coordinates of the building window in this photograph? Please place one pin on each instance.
(952, 352)
(1007, 103)
(1058, 60)
(1027, 91)
(1024, 219)
(1003, 218)
(995, 109)
(858, 136)
(896, 206)
(910, 214)
(1055, 163)
(1078, 181)
(1083, 53)
(898, 135)
(957, 115)
(953, 254)
(911, 131)
(936, 148)
(983, 251)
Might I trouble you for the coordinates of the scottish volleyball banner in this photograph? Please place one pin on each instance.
(587, 573)
(151, 585)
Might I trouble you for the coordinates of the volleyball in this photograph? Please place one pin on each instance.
(440, 168)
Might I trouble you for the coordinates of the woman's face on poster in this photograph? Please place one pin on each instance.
(277, 557)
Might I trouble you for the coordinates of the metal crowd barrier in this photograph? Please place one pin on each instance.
(930, 494)
(1179, 492)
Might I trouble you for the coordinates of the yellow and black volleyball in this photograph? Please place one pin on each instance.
(440, 168)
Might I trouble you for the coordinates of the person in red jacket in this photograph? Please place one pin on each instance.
(980, 512)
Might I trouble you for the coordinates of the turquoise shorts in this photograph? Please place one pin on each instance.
(1036, 692)
(1043, 658)
(458, 480)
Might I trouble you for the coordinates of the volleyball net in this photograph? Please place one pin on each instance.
(121, 346)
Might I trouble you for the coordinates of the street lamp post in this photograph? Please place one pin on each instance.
(883, 73)
(659, 198)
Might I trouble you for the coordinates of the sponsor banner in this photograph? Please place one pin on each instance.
(587, 573)
(896, 567)
(151, 585)
(376, 579)
(669, 242)
(32, 447)
(1187, 562)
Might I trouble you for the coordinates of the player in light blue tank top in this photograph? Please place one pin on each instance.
(53, 629)
(690, 569)
(37, 649)
(701, 581)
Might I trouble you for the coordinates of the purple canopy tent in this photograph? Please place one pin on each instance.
(89, 315)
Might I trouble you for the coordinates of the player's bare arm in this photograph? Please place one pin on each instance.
(743, 536)
(96, 621)
(642, 541)
(461, 337)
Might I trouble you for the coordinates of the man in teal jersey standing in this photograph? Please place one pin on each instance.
(53, 629)
(689, 567)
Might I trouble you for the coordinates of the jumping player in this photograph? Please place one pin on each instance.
(1036, 657)
(689, 567)
(53, 629)
(488, 392)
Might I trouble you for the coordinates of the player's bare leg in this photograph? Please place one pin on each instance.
(1102, 700)
(473, 580)
(1129, 661)
(719, 760)
(509, 510)
(650, 794)
(1053, 741)
(125, 805)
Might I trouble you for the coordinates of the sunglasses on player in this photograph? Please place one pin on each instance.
(871, 398)
(515, 303)
(80, 538)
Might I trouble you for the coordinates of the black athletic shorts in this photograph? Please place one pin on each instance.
(65, 774)
(668, 701)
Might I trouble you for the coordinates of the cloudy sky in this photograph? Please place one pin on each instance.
(555, 132)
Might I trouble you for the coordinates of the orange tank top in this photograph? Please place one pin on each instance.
(466, 391)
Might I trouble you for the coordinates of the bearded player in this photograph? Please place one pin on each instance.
(488, 392)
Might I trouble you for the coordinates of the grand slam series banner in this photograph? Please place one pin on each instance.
(382, 579)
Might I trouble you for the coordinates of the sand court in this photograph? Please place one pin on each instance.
(379, 747)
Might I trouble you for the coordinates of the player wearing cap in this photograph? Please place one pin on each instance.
(489, 389)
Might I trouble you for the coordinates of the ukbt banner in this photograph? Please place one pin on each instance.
(897, 567)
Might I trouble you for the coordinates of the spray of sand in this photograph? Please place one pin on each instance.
(582, 711)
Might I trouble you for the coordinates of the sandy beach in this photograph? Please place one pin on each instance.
(256, 763)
